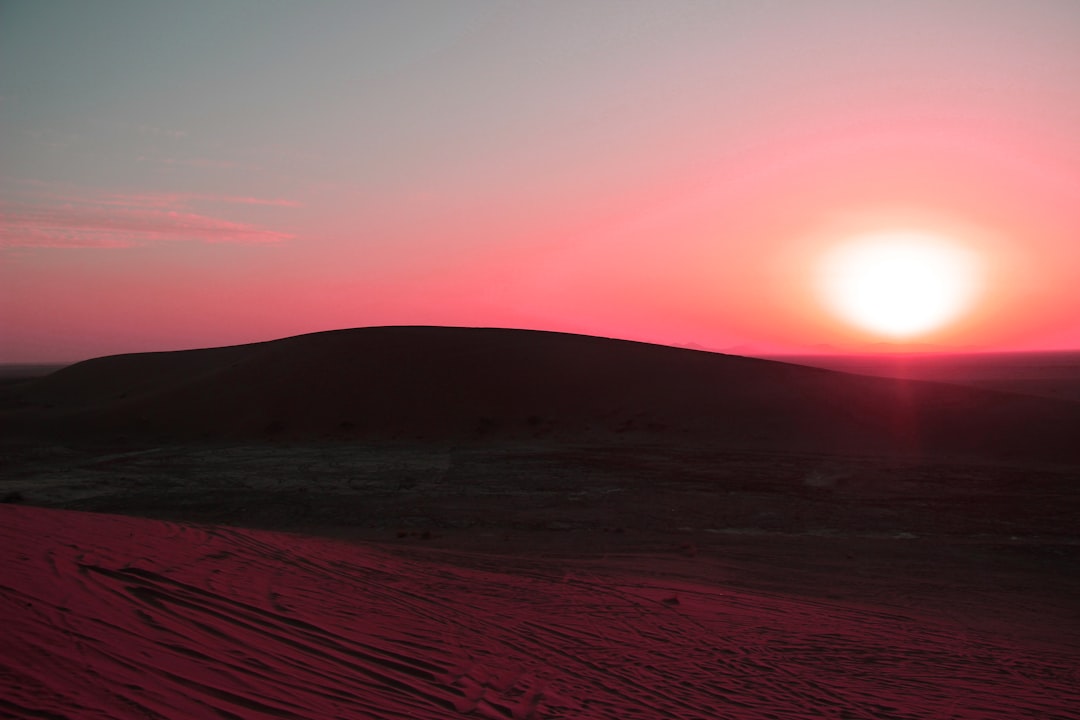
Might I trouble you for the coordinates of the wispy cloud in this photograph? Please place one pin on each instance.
(182, 200)
(62, 218)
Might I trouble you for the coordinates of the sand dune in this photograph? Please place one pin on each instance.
(478, 384)
(560, 527)
(113, 617)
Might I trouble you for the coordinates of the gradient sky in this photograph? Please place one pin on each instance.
(199, 173)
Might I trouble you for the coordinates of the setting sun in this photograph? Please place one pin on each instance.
(898, 284)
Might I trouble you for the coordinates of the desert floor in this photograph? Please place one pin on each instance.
(527, 570)
(527, 581)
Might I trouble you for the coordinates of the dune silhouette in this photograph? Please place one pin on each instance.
(483, 384)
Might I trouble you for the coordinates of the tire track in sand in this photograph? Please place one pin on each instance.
(123, 618)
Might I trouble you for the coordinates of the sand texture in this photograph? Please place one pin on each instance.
(110, 617)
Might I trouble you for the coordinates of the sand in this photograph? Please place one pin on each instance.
(442, 523)
(116, 617)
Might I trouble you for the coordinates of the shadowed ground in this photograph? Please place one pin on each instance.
(483, 385)
(539, 526)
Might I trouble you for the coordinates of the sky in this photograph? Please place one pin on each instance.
(178, 175)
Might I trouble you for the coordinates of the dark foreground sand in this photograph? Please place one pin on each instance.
(498, 524)
(116, 617)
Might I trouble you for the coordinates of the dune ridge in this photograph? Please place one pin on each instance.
(478, 384)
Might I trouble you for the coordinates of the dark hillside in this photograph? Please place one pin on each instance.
(465, 385)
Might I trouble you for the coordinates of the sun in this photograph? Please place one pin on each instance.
(899, 284)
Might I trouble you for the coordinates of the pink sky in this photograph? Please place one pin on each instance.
(207, 174)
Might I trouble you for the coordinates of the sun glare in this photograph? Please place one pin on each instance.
(898, 284)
